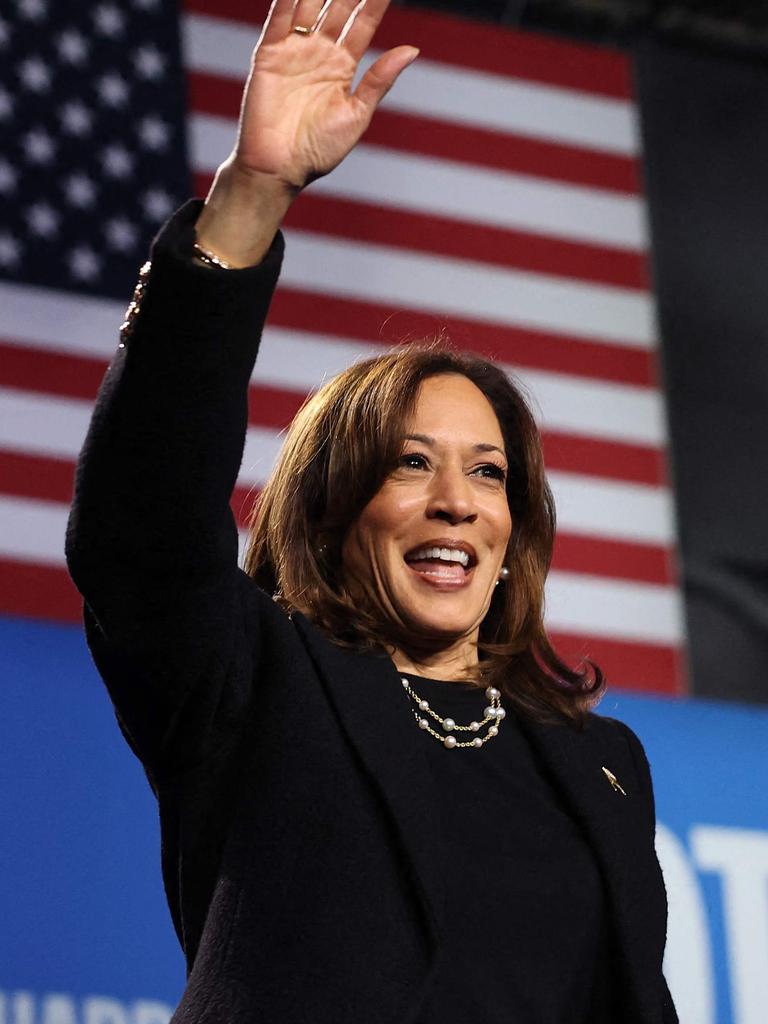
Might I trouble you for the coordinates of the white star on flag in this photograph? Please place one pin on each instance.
(121, 234)
(35, 75)
(153, 133)
(84, 264)
(43, 220)
(7, 177)
(157, 204)
(72, 47)
(39, 146)
(80, 191)
(113, 90)
(76, 118)
(117, 161)
(9, 250)
(109, 20)
(148, 62)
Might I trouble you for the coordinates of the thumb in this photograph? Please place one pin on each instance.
(382, 75)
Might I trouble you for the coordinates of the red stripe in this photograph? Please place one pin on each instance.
(628, 666)
(38, 591)
(35, 476)
(444, 236)
(475, 146)
(622, 560)
(641, 464)
(469, 44)
(55, 373)
(531, 349)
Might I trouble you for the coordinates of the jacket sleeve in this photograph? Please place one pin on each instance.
(151, 542)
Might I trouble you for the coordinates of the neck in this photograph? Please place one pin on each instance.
(453, 663)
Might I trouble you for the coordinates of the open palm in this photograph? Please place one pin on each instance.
(299, 116)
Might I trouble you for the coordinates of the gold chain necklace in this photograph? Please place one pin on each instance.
(492, 716)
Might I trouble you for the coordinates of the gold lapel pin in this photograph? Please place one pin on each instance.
(613, 780)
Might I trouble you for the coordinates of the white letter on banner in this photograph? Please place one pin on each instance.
(741, 858)
(98, 1010)
(147, 1011)
(58, 1009)
(688, 957)
(23, 1008)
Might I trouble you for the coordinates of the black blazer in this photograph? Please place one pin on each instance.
(299, 837)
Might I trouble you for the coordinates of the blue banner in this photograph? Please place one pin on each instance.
(87, 938)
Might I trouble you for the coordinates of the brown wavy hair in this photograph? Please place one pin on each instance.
(341, 446)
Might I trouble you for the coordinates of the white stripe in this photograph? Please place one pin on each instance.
(447, 92)
(44, 318)
(39, 424)
(614, 608)
(299, 361)
(596, 507)
(33, 531)
(445, 188)
(55, 426)
(442, 286)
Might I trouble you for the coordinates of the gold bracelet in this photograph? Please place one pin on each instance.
(210, 258)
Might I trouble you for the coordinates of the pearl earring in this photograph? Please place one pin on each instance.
(503, 575)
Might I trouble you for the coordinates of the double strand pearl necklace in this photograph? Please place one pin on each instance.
(492, 715)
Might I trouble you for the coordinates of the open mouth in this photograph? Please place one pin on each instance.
(442, 564)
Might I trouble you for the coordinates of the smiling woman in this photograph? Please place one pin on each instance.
(324, 858)
(409, 508)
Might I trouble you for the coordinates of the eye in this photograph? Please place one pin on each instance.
(491, 471)
(412, 460)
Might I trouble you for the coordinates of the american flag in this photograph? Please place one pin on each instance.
(496, 198)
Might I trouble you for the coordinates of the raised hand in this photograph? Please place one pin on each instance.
(299, 116)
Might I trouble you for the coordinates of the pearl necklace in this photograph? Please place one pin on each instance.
(494, 713)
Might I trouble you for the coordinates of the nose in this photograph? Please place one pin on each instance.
(451, 497)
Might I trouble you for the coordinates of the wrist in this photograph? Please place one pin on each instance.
(242, 214)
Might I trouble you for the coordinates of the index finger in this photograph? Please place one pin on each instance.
(278, 22)
(362, 25)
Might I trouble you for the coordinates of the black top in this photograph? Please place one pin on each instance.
(301, 839)
(527, 941)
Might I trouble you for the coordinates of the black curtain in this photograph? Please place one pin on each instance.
(705, 128)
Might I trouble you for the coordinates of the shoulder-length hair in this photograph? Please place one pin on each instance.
(341, 446)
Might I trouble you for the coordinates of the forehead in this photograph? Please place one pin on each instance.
(450, 406)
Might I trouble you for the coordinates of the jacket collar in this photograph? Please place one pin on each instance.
(374, 712)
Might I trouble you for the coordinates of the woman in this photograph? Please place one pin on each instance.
(383, 798)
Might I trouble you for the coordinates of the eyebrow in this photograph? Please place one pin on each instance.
(480, 447)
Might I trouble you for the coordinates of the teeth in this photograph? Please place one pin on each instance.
(444, 554)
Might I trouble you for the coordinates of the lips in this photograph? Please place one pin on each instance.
(443, 562)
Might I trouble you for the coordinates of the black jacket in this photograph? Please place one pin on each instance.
(299, 836)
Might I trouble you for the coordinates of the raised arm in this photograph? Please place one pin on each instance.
(299, 118)
(151, 542)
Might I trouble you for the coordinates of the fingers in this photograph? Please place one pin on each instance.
(334, 16)
(278, 22)
(351, 22)
(363, 23)
(382, 75)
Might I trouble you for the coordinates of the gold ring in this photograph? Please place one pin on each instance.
(302, 30)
